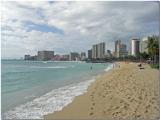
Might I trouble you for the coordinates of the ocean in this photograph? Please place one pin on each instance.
(30, 89)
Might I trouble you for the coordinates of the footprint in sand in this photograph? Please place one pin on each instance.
(116, 107)
(140, 97)
(129, 98)
(115, 114)
(106, 93)
(121, 101)
(92, 108)
(148, 106)
(146, 111)
(93, 104)
(125, 107)
(93, 93)
(91, 113)
(156, 108)
(137, 116)
(132, 100)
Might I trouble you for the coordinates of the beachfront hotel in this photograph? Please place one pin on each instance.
(98, 51)
(120, 49)
(83, 56)
(45, 55)
(117, 43)
(135, 43)
(143, 45)
(90, 54)
(74, 56)
(27, 57)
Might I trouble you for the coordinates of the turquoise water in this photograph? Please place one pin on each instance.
(25, 81)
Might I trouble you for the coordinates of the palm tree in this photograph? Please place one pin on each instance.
(153, 48)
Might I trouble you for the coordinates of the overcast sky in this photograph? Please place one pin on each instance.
(73, 26)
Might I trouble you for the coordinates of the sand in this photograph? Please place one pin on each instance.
(121, 93)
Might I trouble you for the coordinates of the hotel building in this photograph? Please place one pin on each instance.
(83, 56)
(90, 54)
(120, 49)
(27, 57)
(143, 45)
(135, 44)
(45, 55)
(74, 56)
(98, 51)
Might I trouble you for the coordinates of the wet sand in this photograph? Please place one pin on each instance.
(121, 93)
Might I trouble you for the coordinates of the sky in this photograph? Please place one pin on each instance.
(64, 27)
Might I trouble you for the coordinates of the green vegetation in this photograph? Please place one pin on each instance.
(144, 55)
(156, 66)
(153, 49)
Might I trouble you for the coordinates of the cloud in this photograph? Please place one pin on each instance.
(73, 26)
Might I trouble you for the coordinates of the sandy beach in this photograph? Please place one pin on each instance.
(125, 92)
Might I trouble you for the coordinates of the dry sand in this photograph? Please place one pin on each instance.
(121, 93)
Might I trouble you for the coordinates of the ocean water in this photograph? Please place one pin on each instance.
(31, 89)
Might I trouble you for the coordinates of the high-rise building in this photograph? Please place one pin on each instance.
(90, 54)
(83, 56)
(123, 50)
(98, 51)
(94, 51)
(120, 49)
(27, 57)
(57, 57)
(135, 47)
(117, 43)
(45, 55)
(143, 45)
(74, 56)
(65, 57)
(101, 50)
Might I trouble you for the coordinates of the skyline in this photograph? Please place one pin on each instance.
(73, 26)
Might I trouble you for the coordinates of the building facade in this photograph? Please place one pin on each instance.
(143, 45)
(27, 57)
(135, 47)
(117, 43)
(94, 51)
(65, 57)
(123, 50)
(45, 55)
(74, 56)
(83, 56)
(98, 51)
(120, 49)
(90, 54)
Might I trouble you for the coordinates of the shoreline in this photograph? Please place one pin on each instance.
(52, 101)
(129, 97)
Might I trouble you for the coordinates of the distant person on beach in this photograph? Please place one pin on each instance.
(91, 68)
(140, 65)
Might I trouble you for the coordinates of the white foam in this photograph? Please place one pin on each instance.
(109, 67)
(48, 103)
